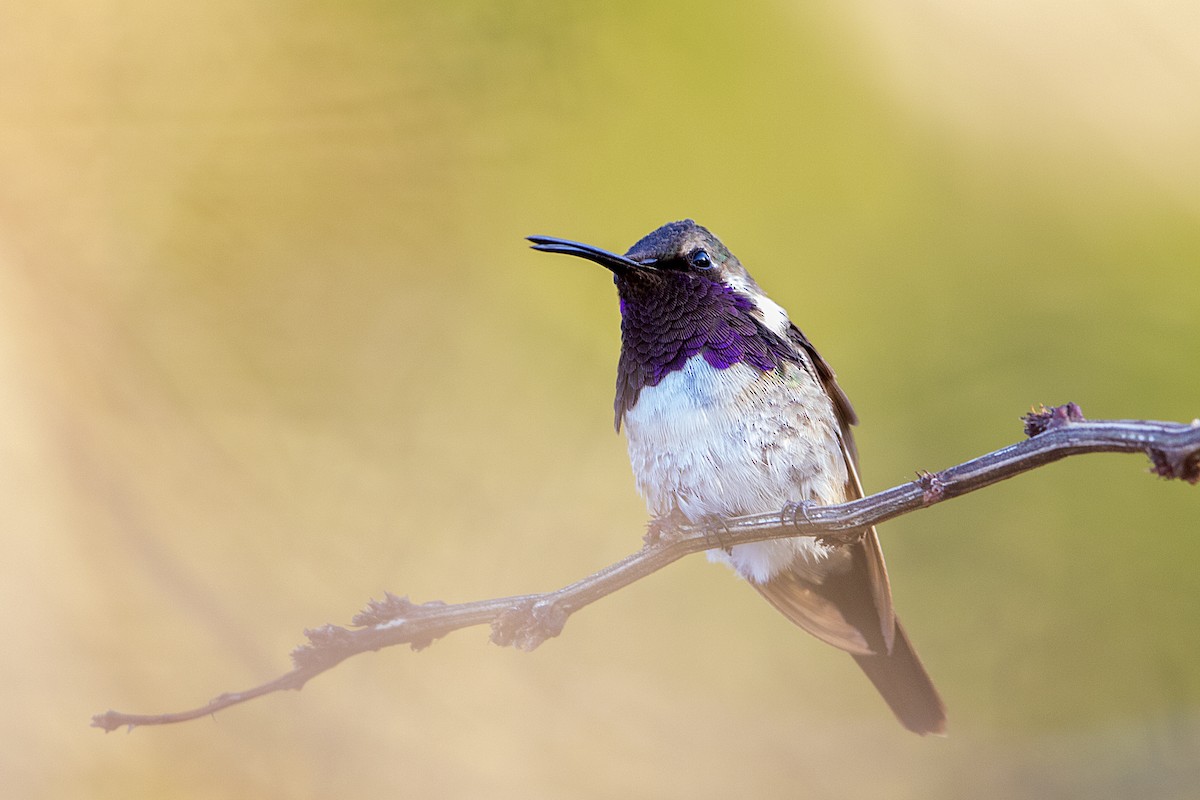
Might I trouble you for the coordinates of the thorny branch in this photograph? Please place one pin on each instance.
(525, 621)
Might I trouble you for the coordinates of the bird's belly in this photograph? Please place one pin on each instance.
(737, 441)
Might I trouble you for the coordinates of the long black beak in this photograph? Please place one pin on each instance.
(612, 261)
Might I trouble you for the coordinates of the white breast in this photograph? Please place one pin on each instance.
(737, 441)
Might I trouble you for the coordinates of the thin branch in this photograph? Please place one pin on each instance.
(525, 621)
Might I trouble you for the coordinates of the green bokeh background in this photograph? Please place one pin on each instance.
(271, 344)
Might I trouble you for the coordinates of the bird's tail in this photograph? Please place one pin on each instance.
(845, 600)
(902, 680)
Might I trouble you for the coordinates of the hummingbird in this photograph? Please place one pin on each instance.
(728, 410)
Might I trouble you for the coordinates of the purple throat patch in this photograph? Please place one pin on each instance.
(669, 320)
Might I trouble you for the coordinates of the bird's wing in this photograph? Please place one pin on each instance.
(846, 599)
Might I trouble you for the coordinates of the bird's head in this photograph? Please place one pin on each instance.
(683, 294)
(678, 258)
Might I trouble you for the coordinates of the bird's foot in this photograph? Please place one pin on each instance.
(664, 529)
(794, 513)
(715, 530)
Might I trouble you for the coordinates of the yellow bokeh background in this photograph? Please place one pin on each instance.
(271, 344)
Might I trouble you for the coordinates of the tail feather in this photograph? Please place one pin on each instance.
(844, 600)
(905, 685)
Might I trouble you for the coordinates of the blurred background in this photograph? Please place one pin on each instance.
(271, 343)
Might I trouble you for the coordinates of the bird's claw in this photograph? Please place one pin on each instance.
(663, 529)
(792, 513)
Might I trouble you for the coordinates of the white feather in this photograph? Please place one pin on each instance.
(770, 312)
(737, 441)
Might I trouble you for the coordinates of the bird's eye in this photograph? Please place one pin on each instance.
(701, 260)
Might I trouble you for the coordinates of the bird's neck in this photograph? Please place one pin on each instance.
(677, 317)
